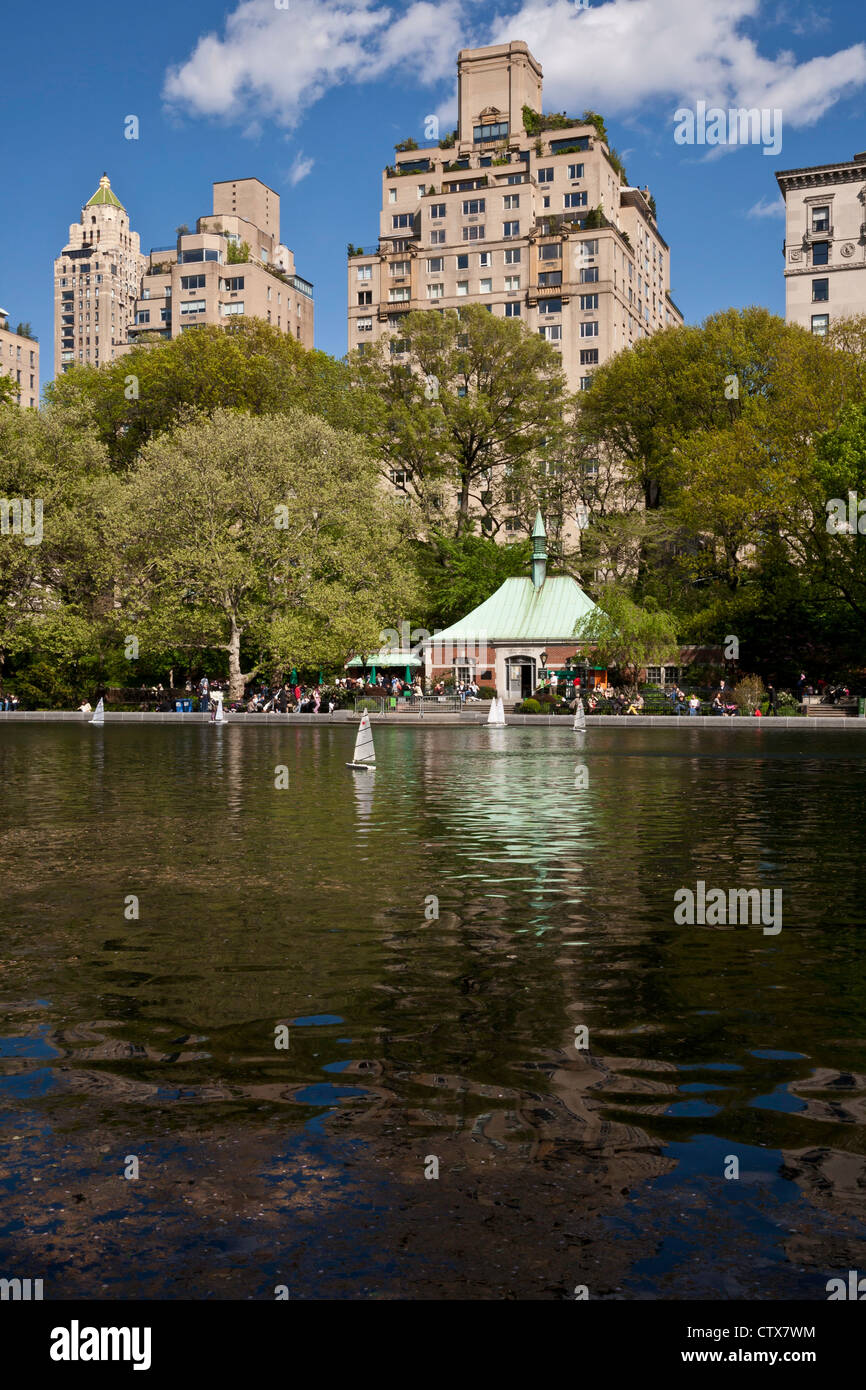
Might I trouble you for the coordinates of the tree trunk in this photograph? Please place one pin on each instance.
(236, 679)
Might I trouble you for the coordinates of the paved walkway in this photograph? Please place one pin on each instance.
(594, 721)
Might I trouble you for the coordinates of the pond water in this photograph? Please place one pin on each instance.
(426, 939)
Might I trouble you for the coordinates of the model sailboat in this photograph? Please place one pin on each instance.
(98, 713)
(496, 717)
(219, 714)
(365, 753)
(579, 715)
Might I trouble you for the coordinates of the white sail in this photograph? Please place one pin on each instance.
(219, 715)
(99, 713)
(364, 750)
(496, 717)
(579, 715)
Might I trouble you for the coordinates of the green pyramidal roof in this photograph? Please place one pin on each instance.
(104, 195)
(518, 612)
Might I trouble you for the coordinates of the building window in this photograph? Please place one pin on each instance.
(143, 316)
(462, 286)
(399, 269)
(550, 251)
(514, 178)
(589, 330)
(437, 237)
(473, 206)
(490, 132)
(545, 176)
(435, 265)
(474, 233)
(821, 219)
(575, 171)
(365, 272)
(821, 253)
(512, 255)
(588, 357)
(365, 297)
(510, 229)
(437, 209)
(576, 200)
(485, 259)
(194, 306)
(365, 325)
(511, 201)
(422, 189)
(549, 277)
(820, 324)
(485, 286)
(820, 291)
(395, 296)
(235, 308)
(463, 261)
(512, 310)
(192, 282)
(399, 345)
(512, 282)
(402, 219)
(585, 382)
(589, 301)
(589, 275)
(392, 195)
(435, 291)
(550, 306)
(552, 332)
(235, 283)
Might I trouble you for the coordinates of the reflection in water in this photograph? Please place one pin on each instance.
(408, 1036)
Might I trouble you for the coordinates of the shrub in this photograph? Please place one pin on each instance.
(529, 706)
(486, 692)
(366, 705)
(749, 693)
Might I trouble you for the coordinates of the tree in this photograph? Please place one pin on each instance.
(264, 538)
(8, 391)
(474, 401)
(56, 567)
(459, 574)
(248, 365)
(238, 255)
(626, 636)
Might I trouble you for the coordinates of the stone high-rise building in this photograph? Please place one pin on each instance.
(96, 280)
(825, 242)
(202, 278)
(19, 360)
(526, 215)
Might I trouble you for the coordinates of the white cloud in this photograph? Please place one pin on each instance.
(279, 62)
(767, 207)
(300, 168)
(625, 54)
(617, 56)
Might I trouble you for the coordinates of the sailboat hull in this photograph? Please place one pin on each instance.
(362, 767)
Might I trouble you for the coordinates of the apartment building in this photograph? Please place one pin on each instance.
(19, 360)
(527, 215)
(232, 264)
(825, 242)
(96, 280)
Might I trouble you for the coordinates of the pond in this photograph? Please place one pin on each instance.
(433, 1030)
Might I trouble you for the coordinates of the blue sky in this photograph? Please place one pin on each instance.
(311, 95)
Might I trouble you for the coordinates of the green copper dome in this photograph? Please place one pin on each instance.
(104, 195)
